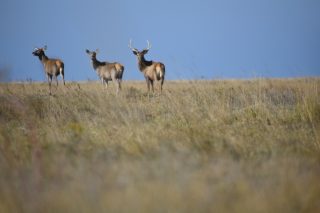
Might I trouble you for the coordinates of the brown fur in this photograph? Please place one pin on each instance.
(52, 67)
(152, 71)
(107, 71)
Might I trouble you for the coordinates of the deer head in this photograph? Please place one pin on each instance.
(139, 54)
(52, 67)
(153, 71)
(39, 51)
(92, 54)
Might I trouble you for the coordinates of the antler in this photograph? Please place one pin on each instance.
(133, 49)
(149, 45)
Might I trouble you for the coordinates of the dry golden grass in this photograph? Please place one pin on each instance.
(202, 146)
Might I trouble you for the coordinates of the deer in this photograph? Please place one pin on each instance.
(152, 71)
(52, 67)
(106, 71)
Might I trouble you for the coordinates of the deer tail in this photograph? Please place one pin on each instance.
(122, 70)
(119, 69)
(161, 70)
(62, 68)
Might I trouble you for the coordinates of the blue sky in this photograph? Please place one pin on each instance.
(194, 39)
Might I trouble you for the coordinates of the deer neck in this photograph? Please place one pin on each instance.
(143, 64)
(43, 58)
(96, 63)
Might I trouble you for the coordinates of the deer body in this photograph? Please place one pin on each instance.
(52, 67)
(107, 71)
(152, 71)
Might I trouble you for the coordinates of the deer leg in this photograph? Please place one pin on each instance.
(106, 83)
(49, 77)
(162, 80)
(116, 81)
(119, 83)
(151, 81)
(157, 85)
(56, 77)
(148, 83)
(62, 74)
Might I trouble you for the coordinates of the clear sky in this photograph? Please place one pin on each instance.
(193, 38)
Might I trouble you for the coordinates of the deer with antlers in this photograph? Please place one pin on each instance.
(107, 71)
(152, 71)
(52, 67)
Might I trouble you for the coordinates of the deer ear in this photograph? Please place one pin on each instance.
(135, 52)
(145, 51)
(87, 51)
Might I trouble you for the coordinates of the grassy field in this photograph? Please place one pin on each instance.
(201, 146)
